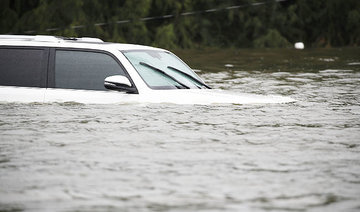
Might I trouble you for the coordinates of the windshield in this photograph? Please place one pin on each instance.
(163, 70)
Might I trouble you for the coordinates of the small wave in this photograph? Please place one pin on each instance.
(335, 71)
(295, 79)
(70, 103)
(229, 66)
(281, 74)
(11, 208)
(327, 59)
(277, 170)
(354, 64)
(347, 145)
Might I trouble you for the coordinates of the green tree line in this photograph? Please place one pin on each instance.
(317, 23)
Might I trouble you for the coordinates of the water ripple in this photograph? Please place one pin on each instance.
(302, 156)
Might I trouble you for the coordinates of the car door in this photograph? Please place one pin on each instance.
(77, 75)
(23, 72)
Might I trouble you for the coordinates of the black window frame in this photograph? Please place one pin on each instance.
(44, 64)
(52, 58)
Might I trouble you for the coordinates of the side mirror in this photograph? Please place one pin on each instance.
(119, 83)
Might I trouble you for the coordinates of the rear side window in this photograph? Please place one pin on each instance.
(84, 70)
(23, 67)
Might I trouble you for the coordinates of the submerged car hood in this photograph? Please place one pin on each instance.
(209, 96)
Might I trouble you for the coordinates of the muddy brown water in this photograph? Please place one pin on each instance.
(302, 156)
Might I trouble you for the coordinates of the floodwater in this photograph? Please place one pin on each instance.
(301, 156)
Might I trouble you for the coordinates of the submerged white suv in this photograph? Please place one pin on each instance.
(88, 70)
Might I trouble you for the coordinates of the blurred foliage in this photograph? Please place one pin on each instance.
(320, 23)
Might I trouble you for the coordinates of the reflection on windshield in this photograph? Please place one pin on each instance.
(163, 70)
(189, 77)
(165, 75)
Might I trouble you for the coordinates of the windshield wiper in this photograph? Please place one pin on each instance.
(182, 86)
(189, 76)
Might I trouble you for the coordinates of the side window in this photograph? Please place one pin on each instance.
(23, 67)
(84, 70)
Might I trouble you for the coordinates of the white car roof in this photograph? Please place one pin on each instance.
(55, 41)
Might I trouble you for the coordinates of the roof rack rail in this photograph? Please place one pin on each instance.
(82, 39)
(49, 38)
(29, 37)
(88, 39)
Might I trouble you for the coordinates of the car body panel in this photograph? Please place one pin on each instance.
(21, 94)
(144, 93)
(89, 96)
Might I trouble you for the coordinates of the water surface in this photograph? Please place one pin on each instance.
(302, 156)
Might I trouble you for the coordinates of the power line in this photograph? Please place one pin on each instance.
(146, 19)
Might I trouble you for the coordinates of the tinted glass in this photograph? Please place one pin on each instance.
(84, 70)
(22, 67)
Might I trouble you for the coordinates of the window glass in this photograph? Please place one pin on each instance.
(84, 70)
(22, 67)
(145, 61)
